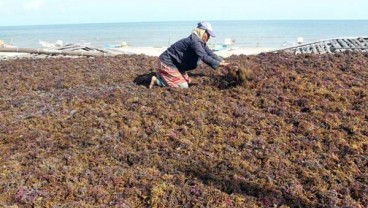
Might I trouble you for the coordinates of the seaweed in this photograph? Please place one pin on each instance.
(276, 130)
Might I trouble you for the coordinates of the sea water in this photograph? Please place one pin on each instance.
(263, 33)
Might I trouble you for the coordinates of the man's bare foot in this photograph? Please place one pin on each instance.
(153, 81)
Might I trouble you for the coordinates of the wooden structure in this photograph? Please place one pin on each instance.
(358, 44)
(67, 50)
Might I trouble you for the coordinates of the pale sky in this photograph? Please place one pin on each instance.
(40, 12)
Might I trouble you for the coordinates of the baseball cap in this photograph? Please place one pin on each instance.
(207, 27)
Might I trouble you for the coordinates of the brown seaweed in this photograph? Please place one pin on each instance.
(281, 130)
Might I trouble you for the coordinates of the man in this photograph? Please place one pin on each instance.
(185, 55)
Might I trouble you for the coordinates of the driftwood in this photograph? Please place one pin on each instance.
(359, 44)
(57, 52)
(74, 47)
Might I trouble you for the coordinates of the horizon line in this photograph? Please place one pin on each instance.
(162, 21)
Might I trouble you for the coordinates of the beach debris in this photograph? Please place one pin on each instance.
(78, 47)
(83, 51)
(122, 45)
(227, 45)
(58, 49)
(57, 44)
(6, 45)
(300, 40)
(335, 45)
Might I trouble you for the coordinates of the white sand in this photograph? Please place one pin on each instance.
(156, 51)
(9, 55)
(149, 51)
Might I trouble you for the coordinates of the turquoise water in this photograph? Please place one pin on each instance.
(271, 34)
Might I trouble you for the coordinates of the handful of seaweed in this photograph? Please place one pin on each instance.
(241, 74)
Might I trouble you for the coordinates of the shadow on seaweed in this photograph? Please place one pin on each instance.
(224, 82)
(191, 74)
(220, 81)
(144, 79)
(234, 183)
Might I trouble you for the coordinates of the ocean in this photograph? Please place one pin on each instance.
(252, 33)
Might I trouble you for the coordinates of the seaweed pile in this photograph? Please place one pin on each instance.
(240, 74)
(88, 133)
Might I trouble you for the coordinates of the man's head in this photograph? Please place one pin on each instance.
(207, 27)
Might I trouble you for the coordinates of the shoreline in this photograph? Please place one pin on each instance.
(149, 51)
(156, 51)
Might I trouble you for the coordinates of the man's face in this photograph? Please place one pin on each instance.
(205, 37)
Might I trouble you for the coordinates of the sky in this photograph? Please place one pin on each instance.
(43, 12)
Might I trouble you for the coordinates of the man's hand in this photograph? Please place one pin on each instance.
(225, 64)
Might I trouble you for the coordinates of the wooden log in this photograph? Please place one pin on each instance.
(353, 46)
(68, 47)
(350, 46)
(327, 47)
(55, 52)
(355, 43)
(330, 46)
(342, 43)
(72, 47)
(318, 48)
(364, 41)
(300, 49)
(314, 49)
(347, 46)
(321, 48)
(93, 49)
(307, 49)
(335, 44)
(361, 45)
(348, 43)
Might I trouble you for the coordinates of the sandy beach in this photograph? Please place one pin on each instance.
(149, 51)
(156, 51)
(9, 55)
